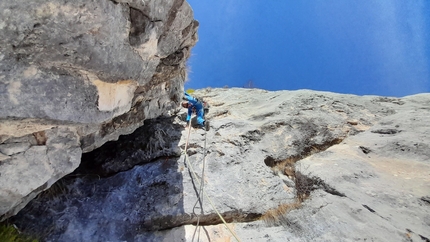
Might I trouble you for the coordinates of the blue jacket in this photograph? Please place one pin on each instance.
(197, 105)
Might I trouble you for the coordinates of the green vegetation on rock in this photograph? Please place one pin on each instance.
(8, 233)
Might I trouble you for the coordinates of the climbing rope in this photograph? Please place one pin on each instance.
(201, 190)
(199, 197)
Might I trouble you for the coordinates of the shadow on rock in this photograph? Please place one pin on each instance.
(112, 197)
(156, 139)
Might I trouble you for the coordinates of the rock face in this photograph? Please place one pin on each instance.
(279, 166)
(76, 74)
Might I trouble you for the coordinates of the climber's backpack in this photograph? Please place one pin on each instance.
(205, 104)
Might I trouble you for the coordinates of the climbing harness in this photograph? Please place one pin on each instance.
(201, 184)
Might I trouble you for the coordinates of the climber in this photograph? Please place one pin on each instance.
(194, 104)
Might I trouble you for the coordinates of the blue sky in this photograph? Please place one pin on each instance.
(344, 46)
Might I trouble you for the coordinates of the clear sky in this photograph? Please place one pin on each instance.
(344, 46)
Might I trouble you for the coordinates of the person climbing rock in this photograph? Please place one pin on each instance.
(196, 105)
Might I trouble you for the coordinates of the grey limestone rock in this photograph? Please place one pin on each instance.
(31, 170)
(279, 166)
(97, 69)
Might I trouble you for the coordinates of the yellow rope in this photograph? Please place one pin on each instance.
(204, 193)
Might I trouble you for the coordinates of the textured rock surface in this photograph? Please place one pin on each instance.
(76, 74)
(280, 166)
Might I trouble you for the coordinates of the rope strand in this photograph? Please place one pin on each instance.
(194, 175)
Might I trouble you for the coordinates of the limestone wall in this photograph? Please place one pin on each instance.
(86, 70)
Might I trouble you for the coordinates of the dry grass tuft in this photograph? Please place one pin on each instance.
(286, 167)
(276, 215)
(305, 185)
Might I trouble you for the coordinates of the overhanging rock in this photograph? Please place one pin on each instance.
(86, 70)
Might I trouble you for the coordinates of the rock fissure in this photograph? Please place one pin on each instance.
(426, 199)
(139, 27)
(368, 208)
(229, 217)
(306, 184)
